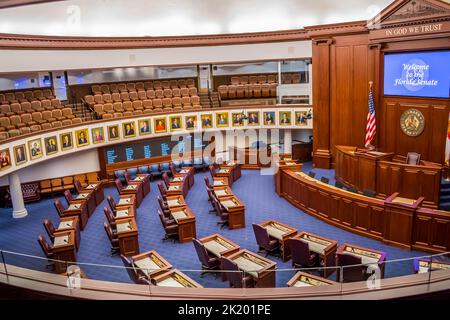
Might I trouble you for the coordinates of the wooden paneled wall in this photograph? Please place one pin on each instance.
(342, 69)
(430, 143)
(343, 65)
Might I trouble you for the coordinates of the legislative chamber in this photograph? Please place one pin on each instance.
(231, 151)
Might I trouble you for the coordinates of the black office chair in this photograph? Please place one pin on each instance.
(325, 180)
(352, 189)
(311, 174)
(338, 184)
(369, 193)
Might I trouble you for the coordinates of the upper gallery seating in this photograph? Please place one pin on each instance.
(26, 96)
(125, 99)
(24, 117)
(255, 86)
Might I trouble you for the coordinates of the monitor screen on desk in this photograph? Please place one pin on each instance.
(417, 74)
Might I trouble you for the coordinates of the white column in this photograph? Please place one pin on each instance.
(287, 141)
(15, 189)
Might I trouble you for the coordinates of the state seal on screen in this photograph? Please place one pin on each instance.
(412, 122)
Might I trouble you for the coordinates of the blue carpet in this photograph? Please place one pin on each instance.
(255, 190)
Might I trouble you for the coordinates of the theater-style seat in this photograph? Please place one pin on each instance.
(148, 85)
(113, 88)
(182, 83)
(122, 87)
(36, 106)
(96, 89)
(159, 93)
(151, 94)
(140, 86)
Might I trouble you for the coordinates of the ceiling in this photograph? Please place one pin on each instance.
(121, 18)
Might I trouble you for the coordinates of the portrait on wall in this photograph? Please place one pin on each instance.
(82, 137)
(206, 121)
(129, 130)
(253, 118)
(175, 123)
(191, 122)
(301, 118)
(144, 127)
(20, 155)
(5, 159)
(113, 132)
(160, 125)
(51, 145)
(35, 148)
(237, 119)
(269, 118)
(285, 118)
(66, 140)
(222, 119)
(98, 135)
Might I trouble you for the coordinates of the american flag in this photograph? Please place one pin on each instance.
(371, 127)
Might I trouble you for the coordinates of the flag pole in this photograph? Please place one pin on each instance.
(370, 146)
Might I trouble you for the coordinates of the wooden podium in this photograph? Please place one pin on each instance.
(358, 167)
(386, 174)
(252, 158)
(399, 225)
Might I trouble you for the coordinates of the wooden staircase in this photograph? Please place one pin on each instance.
(81, 111)
(209, 100)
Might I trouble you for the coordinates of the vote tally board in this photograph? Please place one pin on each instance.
(150, 148)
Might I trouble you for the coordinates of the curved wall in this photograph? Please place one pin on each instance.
(17, 60)
(27, 140)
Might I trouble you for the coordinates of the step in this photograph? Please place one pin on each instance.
(444, 206)
(445, 184)
(443, 199)
(445, 192)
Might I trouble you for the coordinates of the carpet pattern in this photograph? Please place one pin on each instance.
(254, 189)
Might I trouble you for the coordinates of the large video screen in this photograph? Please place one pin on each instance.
(417, 74)
(151, 148)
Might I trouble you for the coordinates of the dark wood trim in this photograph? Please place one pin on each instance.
(16, 41)
(18, 3)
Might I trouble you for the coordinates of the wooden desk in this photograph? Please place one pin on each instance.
(372, 259)
(226, 173)
(144, 179)
(135, 190)
(303, 279)
(89, 198)
(185, 219)
(124, 212)
(176, 189)
(97, 189)
(78, 209)
(281, 232)
(324, 247)
(150, 264)
(126, 201)
(222, 191)
(385, 174)
(70, 223)
(219, 246)
(220, 181)
(260, 268)
(189, 172)
(234, 167)
(174, 278)
(236, 211)
(423, 265)
(175, 201)
(127, 232)
(64, 250)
